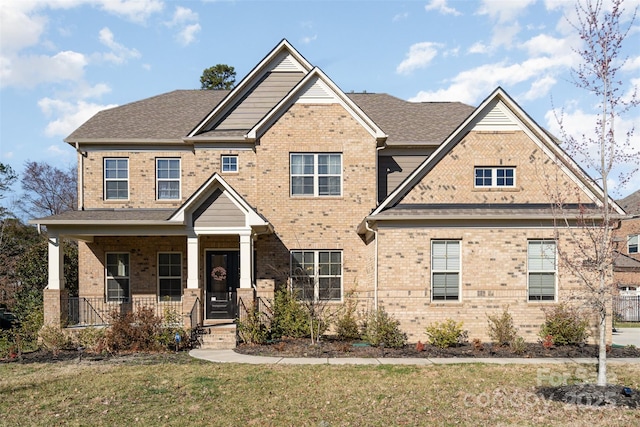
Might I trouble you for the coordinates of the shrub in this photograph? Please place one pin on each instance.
(518, 345)
(382, 329)
(566, 325)
(134, 331)
(501, 328)
(54, 339)
(289, 318)
(92, 339)
(446, 334)
(253, 330)
(347, 327)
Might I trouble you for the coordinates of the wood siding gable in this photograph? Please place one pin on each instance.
(218, 211)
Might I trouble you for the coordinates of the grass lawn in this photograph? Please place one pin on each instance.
(627, 324)
(181, 391)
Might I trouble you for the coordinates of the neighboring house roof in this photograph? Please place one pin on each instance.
(631, 203)
(623, 262)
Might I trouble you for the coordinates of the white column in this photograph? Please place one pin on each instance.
(192, 262)
(56, 264)
(245, 259)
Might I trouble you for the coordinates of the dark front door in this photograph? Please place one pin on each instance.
(223, 278)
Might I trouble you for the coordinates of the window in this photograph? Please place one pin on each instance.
(117, 277)
(542, 270)
(495, 177)
(229, 163)
(168, 179)
(317, 275)
(445, 270)
(116, 179)
(316, 174)
(170, 276)
(632, 245)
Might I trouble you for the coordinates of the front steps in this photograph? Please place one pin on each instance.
(218, 336)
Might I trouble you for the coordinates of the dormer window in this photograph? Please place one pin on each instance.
(495, 177)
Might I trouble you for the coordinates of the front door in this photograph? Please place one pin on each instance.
(223, 278)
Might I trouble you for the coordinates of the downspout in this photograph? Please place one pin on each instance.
(80, 178)
(375, 264)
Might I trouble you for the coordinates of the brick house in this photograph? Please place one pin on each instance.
(198, 200)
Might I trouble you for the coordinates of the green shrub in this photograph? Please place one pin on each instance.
(54, 339)
(289, 317)
(252, 330)
(518, 345)
(566, 325)
(501, 328)
(347, 327)
(381, 328)
(7, 343)
(446, 334)
(92, 339)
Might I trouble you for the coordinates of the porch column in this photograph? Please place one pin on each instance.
(56, 264)
(192, 262)
(245, 259)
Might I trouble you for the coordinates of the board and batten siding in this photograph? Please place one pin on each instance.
(218, 211)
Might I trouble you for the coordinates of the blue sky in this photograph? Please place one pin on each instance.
(61, 61)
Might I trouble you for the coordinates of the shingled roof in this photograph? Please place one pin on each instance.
(631, 203)
(171, 116)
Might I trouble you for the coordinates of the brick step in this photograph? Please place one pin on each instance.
(219, 337)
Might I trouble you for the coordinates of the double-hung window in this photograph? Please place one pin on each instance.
(117, 277)
(542, 270)
(316, 174)
(499, 177)
(632, 244)
(317, 275)
(168, 179)
(445, 270)
(116, 179)
(170, 276)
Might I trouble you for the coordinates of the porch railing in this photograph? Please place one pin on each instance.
(626, 308)
(97, 311)
(259, 304)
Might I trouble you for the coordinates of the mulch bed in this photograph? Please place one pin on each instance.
(290, 347)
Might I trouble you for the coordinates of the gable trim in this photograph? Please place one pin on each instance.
(528, 126)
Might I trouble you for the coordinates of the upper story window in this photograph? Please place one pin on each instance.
(317, 275)
(316, 175)
(445, 270)
(168, 179)
(495, 177)
(542, 270)
(632, 244)
(116, 179)
(229, 163)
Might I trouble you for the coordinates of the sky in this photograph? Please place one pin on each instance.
(61, 61)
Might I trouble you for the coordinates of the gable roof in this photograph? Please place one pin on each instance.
(631, 203)
(498, 106)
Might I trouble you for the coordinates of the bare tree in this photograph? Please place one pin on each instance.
(47, 189)
(591, 251)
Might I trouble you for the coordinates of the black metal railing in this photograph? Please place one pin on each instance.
(626, 308)
(97, 311)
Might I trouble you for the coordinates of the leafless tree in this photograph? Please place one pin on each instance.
(590, 251)
(47, 190)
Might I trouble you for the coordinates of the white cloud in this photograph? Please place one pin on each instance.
(544, 44)
(632, 64)
(70, 115)
(503, 35)
(29, 71)
(187, 35)
(119, 54)
(18, 29)
(478, 47)
(419, 56)
(134, 10)
(540, 88)
(441, 6)
(400, 17)
(181, 16)
(504, 11)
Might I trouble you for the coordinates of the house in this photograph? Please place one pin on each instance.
(203, 201)
(626, 268)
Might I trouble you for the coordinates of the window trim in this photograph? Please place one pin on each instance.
(169, 277)
(494, 176)
(105, 179)
(107, 277)
(540, 298)
(435, 271)
(179, 179)
(229, 156)
(316, 272)
(316, 175)
(633, 241)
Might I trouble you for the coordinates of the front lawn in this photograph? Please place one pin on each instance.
(180, 391)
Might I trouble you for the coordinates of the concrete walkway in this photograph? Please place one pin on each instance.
(230, 356)
(627, 336)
